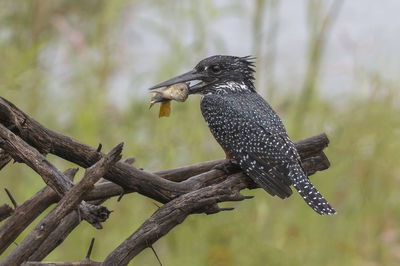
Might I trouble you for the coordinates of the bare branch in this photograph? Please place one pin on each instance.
(5, 211)
(21, 151)
(71, 263)
(27, 212)
(5, 158)
(65, 227)
(68, 203)
(128, 177)
(183, 173)
(174, 213)
(191, 189)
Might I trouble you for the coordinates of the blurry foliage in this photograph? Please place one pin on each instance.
(82, 40)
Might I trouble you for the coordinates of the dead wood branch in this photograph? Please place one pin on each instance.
(5, 211)
(22, 152)
(191, 189)
(84, 262)
(125, 175)
(5, 158)
(65, 227)
(69, 202)
(27, 212)
(174, 213)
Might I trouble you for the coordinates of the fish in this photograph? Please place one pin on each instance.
(177, 92)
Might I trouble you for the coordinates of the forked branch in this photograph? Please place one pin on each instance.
(184, 191)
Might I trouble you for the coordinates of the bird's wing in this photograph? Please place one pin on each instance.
(266, 165)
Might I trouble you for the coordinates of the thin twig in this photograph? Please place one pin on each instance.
(155, 253)
(99, 147)
(89, 252)
(11, 198)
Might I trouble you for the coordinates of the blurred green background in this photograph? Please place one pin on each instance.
(82, 68)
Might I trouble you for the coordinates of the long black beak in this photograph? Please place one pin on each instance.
(188, 76)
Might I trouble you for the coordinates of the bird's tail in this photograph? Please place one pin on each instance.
(312, 196)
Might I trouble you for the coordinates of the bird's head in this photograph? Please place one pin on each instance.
(216, 74)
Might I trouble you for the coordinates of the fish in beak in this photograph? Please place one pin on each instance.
(178, 92)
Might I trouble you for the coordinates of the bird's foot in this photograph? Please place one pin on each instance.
(228, 167)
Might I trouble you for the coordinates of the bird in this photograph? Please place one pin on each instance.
(250, 132)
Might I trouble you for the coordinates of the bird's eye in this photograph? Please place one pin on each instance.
(216, 69)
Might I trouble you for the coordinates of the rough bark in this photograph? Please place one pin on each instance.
(27, 212)
(174, 213)
(68, 203)
(71, 263)
(5, 158)
(125, 175)
(22, 152)
(186, 190)
(5, 211)
(65, 227)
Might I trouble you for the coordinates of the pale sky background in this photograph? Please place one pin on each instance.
(364, 38)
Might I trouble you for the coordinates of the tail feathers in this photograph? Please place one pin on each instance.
(313, 198)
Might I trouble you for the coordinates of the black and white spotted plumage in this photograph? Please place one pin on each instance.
(249, 130)
(254, 136)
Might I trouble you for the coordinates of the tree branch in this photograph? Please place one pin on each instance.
(65, 227)
(69, 202)
(5, 211)
(5, 158)
(27, 212)
(191, 189)
(174, 213)
(83, 262)
(31, 209)
(125, 175)
(22, 152)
